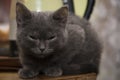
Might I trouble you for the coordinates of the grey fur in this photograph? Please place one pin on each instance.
(70, 45)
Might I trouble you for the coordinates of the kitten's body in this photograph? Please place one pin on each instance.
(77, 49)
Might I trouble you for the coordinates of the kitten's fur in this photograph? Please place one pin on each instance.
(55, 43)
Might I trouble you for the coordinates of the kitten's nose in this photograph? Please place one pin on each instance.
(42, 49)
(42, 46)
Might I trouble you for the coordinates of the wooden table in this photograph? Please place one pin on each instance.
(14, 76)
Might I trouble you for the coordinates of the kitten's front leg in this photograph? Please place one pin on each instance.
(27, 73)
(53, 71)
(30, 68)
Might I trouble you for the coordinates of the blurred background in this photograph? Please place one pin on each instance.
(4, 21)
(106, 20)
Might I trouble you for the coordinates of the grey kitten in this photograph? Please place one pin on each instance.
(55, 43)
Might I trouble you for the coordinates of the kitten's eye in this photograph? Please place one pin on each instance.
(52, 37)
(32, 37)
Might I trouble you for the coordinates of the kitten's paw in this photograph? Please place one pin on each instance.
(27, 73)
(53, 72)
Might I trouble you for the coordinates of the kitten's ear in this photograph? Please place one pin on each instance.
(22, 13)
(61, 14)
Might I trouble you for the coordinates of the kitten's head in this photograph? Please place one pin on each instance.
(41, 32)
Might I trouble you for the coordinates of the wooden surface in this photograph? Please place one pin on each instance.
(9, 63)
(14, 76)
